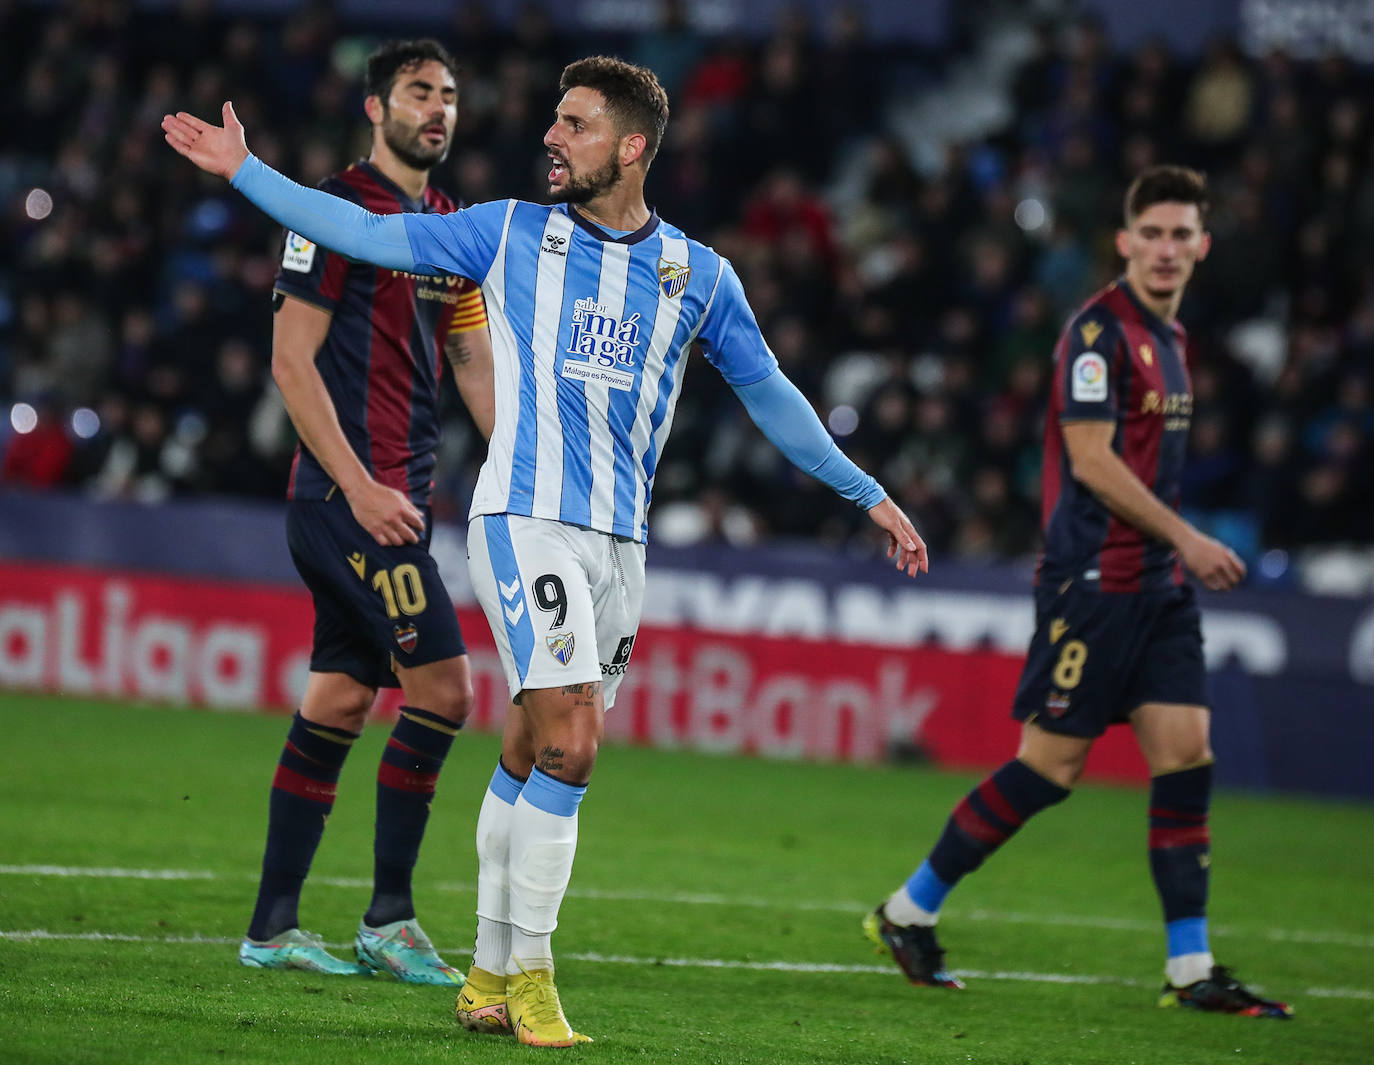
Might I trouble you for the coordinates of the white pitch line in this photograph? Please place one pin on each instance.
(832, 967)
(823, 968)
(1111, 924)
(106, 874)
(29, 935)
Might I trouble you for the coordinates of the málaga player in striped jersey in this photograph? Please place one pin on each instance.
(594, 304)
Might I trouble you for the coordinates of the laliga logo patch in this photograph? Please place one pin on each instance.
(673, 278)
(407, 637)
(1089, 378)
(299, 254)
(561, 647)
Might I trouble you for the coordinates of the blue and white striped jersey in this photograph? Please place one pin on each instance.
(590, 334)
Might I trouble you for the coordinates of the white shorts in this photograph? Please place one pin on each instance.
(563, 602)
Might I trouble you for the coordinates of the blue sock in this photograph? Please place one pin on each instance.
(552, 795)
(1187, 935)
(926, 889)
(505, 784)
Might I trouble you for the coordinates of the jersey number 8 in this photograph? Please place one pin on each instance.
(1068, 671)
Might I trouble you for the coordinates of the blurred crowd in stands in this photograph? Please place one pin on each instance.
(916, 305)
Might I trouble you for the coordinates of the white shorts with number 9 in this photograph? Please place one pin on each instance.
(563, 602)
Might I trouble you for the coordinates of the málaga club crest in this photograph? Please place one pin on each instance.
(673, 278)
(561, 647)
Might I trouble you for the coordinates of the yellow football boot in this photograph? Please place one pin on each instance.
(482, 1003)
(535, 1013)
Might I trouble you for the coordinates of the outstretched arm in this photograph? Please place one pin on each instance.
(779, 409)
(327, 220)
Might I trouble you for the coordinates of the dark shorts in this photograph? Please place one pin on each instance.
(1097, 656)
(373, 604)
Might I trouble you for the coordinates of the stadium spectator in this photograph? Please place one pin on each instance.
(1288, 147)
(39, 452)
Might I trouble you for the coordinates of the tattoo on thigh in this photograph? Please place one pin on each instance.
(550, 758)
(583, 694)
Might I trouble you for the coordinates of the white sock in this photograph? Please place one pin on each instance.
(493, 880)
(901, 910)
(1184, 969)
(543, 841)
(493, 945)
(529, 951)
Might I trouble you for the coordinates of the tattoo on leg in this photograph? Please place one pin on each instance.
(550, 758)
(583, 694)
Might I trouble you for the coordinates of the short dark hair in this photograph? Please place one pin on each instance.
(391, 58)
(1166, 184)
(635, 100)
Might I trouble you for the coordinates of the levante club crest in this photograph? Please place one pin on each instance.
(407, 637)
(561, 647)
(673, 278)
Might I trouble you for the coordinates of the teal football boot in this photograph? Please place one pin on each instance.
(295, 949)
(402, 949)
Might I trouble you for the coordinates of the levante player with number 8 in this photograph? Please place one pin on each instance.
(1118, 636)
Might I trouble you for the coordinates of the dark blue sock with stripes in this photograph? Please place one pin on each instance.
(1181, 854)
(302, 796)
(985, 819)
(406, 782)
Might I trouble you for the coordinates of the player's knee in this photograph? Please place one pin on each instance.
(1058, 767)
(443, 688)
(345, 711)
(1059, 759)
(453, 702)
(568, 758)
(1064, 773)
(1182, 756)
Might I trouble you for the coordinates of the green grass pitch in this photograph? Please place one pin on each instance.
(713, 916)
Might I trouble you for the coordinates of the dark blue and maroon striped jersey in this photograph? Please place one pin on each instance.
(382, 357)
(1119, 362)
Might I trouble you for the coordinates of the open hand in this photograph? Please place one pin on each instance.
(903, 542)
(215, 149)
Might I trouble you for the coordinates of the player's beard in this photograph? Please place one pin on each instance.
(405, 143)
(585, 189)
